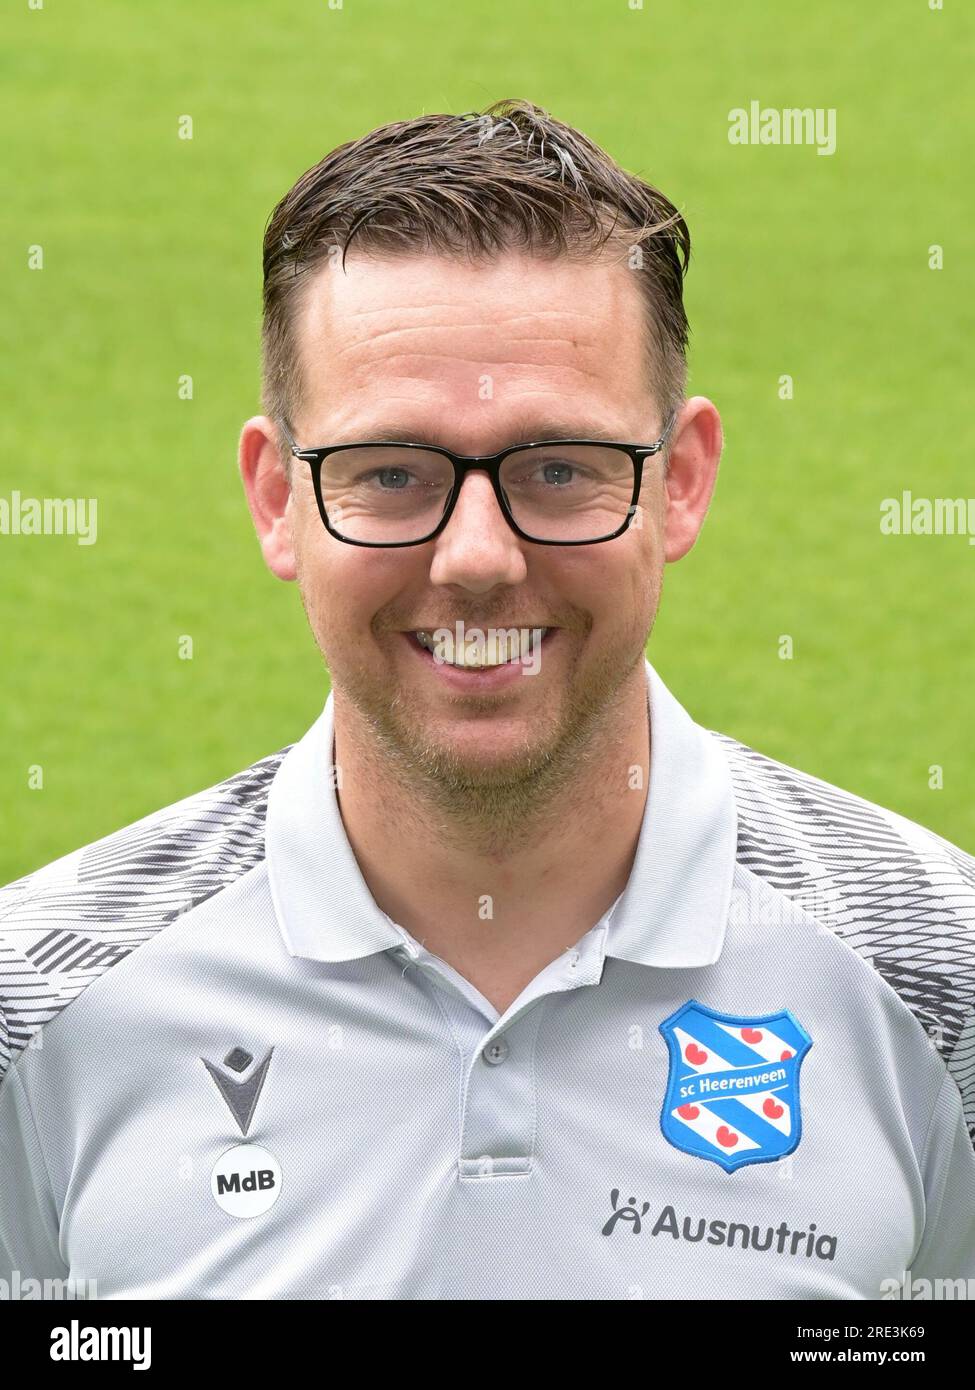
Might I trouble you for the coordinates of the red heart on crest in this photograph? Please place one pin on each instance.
(696, 1054)
(726, 1137)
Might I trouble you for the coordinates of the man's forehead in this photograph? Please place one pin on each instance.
(511, 282)
(556, 347)
(509, 427)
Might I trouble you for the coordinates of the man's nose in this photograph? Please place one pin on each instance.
(477, 549)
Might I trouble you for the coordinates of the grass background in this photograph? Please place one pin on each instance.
(807, 265)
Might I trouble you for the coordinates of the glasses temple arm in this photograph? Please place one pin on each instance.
(671, 422)
(283, 427)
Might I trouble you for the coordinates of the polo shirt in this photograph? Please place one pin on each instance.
(229, 1074)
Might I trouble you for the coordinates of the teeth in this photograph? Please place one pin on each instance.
(479, 650)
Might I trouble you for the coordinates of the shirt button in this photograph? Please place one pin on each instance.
(495, 1052)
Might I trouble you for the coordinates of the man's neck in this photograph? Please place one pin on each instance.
(499, 907)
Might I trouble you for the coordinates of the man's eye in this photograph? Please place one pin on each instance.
(551, 473)
(557, 473)
(391, 479)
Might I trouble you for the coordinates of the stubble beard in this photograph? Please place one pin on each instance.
(491, 808)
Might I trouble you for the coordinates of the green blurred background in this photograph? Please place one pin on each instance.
(811, 266)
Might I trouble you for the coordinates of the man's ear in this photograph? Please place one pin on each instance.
(268, 494)
(691, 472)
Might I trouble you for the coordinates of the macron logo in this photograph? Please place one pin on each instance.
(76, 1343)
(242, 1089)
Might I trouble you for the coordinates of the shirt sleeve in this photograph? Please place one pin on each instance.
(29, 1231)
(947, 1248)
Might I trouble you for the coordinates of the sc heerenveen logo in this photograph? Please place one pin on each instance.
(733, 1086)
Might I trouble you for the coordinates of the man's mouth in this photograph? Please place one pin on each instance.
(481, 649)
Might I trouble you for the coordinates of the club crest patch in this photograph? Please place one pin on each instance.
(733, 1086)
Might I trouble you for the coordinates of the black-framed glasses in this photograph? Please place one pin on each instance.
(556, 492)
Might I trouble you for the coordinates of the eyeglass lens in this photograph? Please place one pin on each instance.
(563, 492)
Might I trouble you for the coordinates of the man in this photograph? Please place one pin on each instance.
(508, 980)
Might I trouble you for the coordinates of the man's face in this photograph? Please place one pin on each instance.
(476, 357)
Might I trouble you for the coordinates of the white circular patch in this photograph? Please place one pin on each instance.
(246, 1180)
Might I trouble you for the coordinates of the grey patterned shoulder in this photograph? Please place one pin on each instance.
(67, 923)
(897, 893)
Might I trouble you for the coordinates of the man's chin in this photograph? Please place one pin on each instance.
(478, 759)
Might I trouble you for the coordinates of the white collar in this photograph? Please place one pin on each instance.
(672, 913)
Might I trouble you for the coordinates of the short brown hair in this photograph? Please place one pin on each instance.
(476, 184)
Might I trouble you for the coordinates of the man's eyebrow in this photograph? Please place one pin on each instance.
(527, 432)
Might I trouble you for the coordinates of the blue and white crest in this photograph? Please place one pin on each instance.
(733, 1089)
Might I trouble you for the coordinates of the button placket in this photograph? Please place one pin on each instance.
(500, 1103)
(496, 1051)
